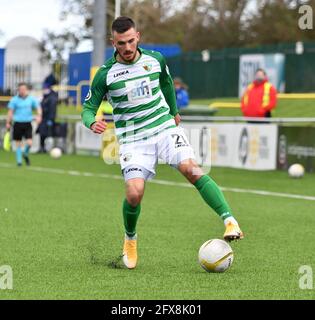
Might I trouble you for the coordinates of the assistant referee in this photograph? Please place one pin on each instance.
(20, 112)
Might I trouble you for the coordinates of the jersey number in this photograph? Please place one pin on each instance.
(180, 141)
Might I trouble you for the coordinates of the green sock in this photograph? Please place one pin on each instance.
(131, 215)
(213, 196)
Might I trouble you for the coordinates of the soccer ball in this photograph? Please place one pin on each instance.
(215, 255)
(296, 171)
(55, 153)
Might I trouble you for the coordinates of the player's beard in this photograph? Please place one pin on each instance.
(128, 56)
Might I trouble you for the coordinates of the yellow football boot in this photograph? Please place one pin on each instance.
(130, 255)
(233, 232)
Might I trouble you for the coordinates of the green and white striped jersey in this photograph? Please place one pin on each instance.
(141, 93)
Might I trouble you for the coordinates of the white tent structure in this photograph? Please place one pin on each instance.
(24, 62)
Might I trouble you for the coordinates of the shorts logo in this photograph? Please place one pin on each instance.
(127, 157)
(88, 96)
(133, 169)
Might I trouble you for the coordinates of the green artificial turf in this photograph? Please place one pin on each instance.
(286, 108)
(61, 232)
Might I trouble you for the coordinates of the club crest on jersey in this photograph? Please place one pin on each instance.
(147, 67)
(127, 157)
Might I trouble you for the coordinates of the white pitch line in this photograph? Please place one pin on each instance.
(238, 190)
(268, 193)
(161, 182)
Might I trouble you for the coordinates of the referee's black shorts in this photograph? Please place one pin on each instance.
(22, 129)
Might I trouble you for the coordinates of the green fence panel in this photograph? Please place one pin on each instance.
(219, 76)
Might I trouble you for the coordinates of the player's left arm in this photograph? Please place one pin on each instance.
(167, 87)
(37, 107)
(11, 108)
(9, 118)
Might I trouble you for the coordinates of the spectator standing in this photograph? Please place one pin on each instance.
(181, 91)
(260, 97)
(49, 107)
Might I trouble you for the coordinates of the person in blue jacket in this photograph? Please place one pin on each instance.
(182, 96)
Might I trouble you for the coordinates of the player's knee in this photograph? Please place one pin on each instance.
(134, 198)
(192, 173)
(134, 191)
(193, 177)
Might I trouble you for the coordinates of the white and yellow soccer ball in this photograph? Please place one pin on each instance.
(296, 171)
(55, 153)
(215, 255)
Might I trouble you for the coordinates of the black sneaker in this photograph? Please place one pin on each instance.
(27, 160)
(19, 164)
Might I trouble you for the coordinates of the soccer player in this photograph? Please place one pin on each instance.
(138, 85)
(20, 111)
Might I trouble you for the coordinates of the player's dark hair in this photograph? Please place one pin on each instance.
(123, 24)
(262, 70)
(21, 84)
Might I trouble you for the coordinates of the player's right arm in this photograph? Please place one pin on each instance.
(11, 107)
(9, 119)
(92, 102)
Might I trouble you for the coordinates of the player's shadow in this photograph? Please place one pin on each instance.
(98, 257)
(100, 250)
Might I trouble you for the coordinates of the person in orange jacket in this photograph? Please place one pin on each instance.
(260, 97)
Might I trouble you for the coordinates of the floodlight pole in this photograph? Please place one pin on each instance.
(117, 8)
(99, 32)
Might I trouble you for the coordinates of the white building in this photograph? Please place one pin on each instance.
(24, 62)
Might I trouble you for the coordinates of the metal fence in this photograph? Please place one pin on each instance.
(15, 74)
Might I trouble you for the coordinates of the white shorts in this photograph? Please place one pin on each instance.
(139, 159)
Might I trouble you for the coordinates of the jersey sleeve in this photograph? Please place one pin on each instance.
(167, 86)
(94, 97)
(243, 107)
(11, 104)
(273, 98)
(35, 103)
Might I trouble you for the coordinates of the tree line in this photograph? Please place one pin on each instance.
(193, 24)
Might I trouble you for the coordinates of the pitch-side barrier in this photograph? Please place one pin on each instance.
(237, 142)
